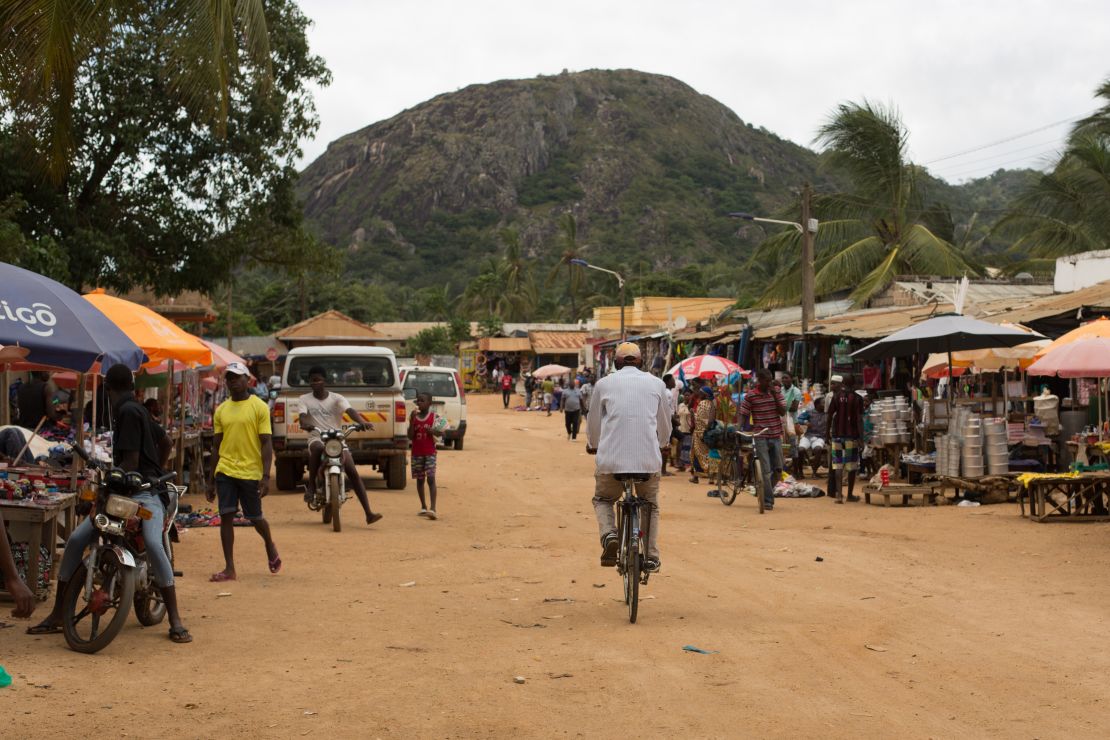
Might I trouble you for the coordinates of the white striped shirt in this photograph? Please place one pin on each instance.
(629, 421)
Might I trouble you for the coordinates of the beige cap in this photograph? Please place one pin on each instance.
(627, 349)
(836, 379)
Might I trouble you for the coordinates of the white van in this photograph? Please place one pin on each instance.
(448, 397)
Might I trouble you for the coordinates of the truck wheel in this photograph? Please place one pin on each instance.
(289, 472)
(458, 443)
(395, 473)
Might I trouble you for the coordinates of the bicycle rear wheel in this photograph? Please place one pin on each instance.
(728, 484)
(631, 561)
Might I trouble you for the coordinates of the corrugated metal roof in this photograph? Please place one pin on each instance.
(1095, 296)
(977, 292)
(504, 344)
(557, 342)
(328, 325)
(252, 346)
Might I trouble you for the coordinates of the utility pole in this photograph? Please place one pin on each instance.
(623, 337)
(809, 228)
(230, 332)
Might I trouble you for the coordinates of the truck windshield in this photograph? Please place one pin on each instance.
(342, 371)
(437, 384)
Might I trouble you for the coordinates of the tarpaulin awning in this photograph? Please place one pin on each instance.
(57, 326)
(504, 344)
(557, 342)
(159, 337)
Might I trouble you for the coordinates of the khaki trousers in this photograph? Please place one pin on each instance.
(607, 490)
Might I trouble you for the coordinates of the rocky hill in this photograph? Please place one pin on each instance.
(646, 165)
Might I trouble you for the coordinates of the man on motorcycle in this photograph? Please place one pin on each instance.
(324, 410)
(136, 446)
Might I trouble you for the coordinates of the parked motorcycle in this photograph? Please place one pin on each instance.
(116, 572)
(331, 481)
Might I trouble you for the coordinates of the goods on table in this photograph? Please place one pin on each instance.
(948, 454)
(892, 419)
(996, 447)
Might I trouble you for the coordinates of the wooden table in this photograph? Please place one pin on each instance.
(891, 454)
(37, 524)
(904, 491)
(1083, 498)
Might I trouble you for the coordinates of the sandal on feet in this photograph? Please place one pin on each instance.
(275, 564)
(45, 628)
(222, 576)
(180, 635)
(432, 514)
(422, 512)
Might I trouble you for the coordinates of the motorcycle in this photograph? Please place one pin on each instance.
(116, 573)
(331, 480)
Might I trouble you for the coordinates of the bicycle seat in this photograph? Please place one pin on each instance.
(639, 477)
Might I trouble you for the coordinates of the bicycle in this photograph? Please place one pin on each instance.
(739, 468)
(633, 540)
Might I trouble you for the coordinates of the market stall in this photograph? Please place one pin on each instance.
(961, 450)
(54, 329)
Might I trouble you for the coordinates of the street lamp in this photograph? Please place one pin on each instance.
(617, 275)
(807, 232)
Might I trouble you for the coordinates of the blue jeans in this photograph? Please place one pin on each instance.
(85, 535)
(770, 458)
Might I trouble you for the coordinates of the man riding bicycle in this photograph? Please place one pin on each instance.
(628, 428)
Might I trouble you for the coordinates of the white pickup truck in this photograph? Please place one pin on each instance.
(367, 377)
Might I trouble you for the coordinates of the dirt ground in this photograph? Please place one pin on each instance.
(919, 622)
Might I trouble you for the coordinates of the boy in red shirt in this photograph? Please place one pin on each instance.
(422, 435)
(506, 388)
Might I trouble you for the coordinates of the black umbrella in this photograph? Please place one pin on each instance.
(947, 333)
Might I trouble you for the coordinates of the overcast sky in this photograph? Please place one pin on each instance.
(964, 74)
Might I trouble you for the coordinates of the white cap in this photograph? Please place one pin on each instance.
(237, 368)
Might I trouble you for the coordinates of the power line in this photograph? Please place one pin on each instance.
(1008, 152)
(1000, 165)
(1008, 139)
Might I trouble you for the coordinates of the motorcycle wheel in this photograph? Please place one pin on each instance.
(87, 631)
(149, 607)
(335, 498)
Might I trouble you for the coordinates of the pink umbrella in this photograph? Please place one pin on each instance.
(1083, 358)
(706, 366)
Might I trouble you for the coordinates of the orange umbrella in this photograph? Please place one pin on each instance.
(159, 337)
(1097, 329)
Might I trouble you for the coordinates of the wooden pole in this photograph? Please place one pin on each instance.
(181, 432)
(6, 411)
(79, 426)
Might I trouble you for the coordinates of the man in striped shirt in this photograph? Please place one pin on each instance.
(765, 406)
(628, 428)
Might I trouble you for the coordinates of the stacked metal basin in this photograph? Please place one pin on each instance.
(948, 454)
(892, 419)
(972, 447)
(995, 445)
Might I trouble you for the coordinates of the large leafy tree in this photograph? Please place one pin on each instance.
(151, 193)
(1067, 210)
(881, 227)
(45, 46)
(570, 250)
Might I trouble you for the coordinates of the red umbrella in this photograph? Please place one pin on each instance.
(706, 366)
(1082, 358)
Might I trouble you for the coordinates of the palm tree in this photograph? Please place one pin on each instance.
(44, 43)
(1067, 210)
(875, 231)
(520, 285)
(571, 250)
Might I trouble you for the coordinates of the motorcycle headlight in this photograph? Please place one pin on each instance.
(121, 507)
(333, 448)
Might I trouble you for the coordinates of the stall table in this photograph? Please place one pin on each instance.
(38, 524)
(1072, 499)
(904, 491)
(891, 454)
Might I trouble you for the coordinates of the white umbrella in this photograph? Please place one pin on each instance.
(551, 371)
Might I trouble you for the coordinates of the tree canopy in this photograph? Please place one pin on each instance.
(152, 193)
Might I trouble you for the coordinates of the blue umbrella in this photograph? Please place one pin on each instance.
(57, 326)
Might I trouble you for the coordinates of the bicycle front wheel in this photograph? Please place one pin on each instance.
(631, 561)
(757, 481)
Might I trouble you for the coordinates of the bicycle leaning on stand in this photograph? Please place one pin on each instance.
(739, 467)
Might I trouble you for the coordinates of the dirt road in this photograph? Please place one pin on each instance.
(937, 622)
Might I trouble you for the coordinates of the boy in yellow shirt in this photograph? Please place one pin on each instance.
(243, 453)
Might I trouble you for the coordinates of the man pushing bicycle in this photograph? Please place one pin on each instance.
(628, 428)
